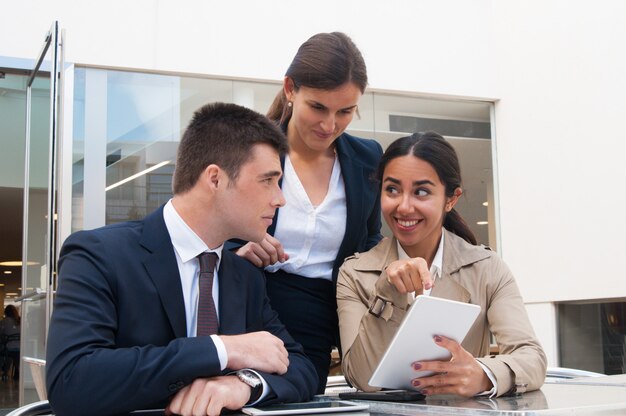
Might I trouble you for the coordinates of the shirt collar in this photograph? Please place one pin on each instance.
(437, 264)
(185, 241)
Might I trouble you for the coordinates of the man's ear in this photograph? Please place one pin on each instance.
(451, 201)
(212, 176)
(289, 88)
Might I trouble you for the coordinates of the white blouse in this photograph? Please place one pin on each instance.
(311, 235)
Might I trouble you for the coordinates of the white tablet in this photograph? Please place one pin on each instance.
(305, 408)
(428, 316)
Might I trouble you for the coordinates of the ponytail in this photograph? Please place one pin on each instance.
(457, 225)
(279, 112)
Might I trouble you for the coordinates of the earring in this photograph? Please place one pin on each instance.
(289, 104)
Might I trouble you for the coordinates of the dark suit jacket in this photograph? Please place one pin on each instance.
(117, 338)
(358, 159)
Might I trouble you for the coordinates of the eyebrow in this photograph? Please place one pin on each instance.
(415, 183)
(341, 109)
(271, 174)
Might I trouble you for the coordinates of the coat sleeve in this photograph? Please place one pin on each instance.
(521, 363)
(86, 372)
(362, 332)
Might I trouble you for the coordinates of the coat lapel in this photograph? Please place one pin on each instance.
(232, 303)
(386, 252)
(353, 177)
(456, 255)
(447, 288)
(160, 263)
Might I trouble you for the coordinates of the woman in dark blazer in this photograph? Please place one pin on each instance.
(332, 208)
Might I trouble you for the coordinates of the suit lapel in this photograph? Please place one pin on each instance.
(352, 177)
(232, 303)
(160, 263)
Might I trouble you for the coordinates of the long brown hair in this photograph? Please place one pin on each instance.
(434, 149)
(325, 61)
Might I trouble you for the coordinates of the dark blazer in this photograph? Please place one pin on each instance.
(358, 159)
(117, 339)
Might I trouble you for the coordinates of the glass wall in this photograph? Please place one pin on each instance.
(592, 336)
(127, 126)
(12, 132)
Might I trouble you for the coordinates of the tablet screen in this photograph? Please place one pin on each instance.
(305, 408)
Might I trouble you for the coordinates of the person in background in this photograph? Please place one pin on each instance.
(154, 313)
(332, 208)
(10, 335)
(434, 252)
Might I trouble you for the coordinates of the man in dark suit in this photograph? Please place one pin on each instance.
(126, 331)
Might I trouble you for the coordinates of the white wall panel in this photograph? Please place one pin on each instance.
(556, 66)
(438, 47)
(561, 146)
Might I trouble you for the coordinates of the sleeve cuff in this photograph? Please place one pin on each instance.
(264, 392)
(491, 393)
(221, 351)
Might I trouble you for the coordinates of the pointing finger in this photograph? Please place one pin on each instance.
(425, 279)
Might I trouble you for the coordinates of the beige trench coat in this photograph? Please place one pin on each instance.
(470, 274)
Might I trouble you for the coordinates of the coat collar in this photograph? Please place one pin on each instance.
(457, 253)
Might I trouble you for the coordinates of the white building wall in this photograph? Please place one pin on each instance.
(561, 145)
(556, 67)
(427, 46)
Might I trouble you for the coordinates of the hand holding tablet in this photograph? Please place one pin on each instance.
(427, 317)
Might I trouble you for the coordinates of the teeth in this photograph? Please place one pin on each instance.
(407, 223)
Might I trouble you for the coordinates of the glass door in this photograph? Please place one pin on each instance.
(39, 250)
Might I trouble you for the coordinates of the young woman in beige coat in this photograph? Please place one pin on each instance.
(433, 251)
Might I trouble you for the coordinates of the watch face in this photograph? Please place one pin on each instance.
(249, 378)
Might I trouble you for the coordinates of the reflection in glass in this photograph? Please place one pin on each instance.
(138, 120)
(35, 274)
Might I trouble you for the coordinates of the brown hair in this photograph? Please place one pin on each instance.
(326, 61)
(11, 312)
(431, 147)
(222, 134)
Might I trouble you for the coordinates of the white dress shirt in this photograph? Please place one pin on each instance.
(187, 246)
(310, 234)
(435, 267)
(435, 273)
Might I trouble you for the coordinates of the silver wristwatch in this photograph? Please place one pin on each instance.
(254, 381)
